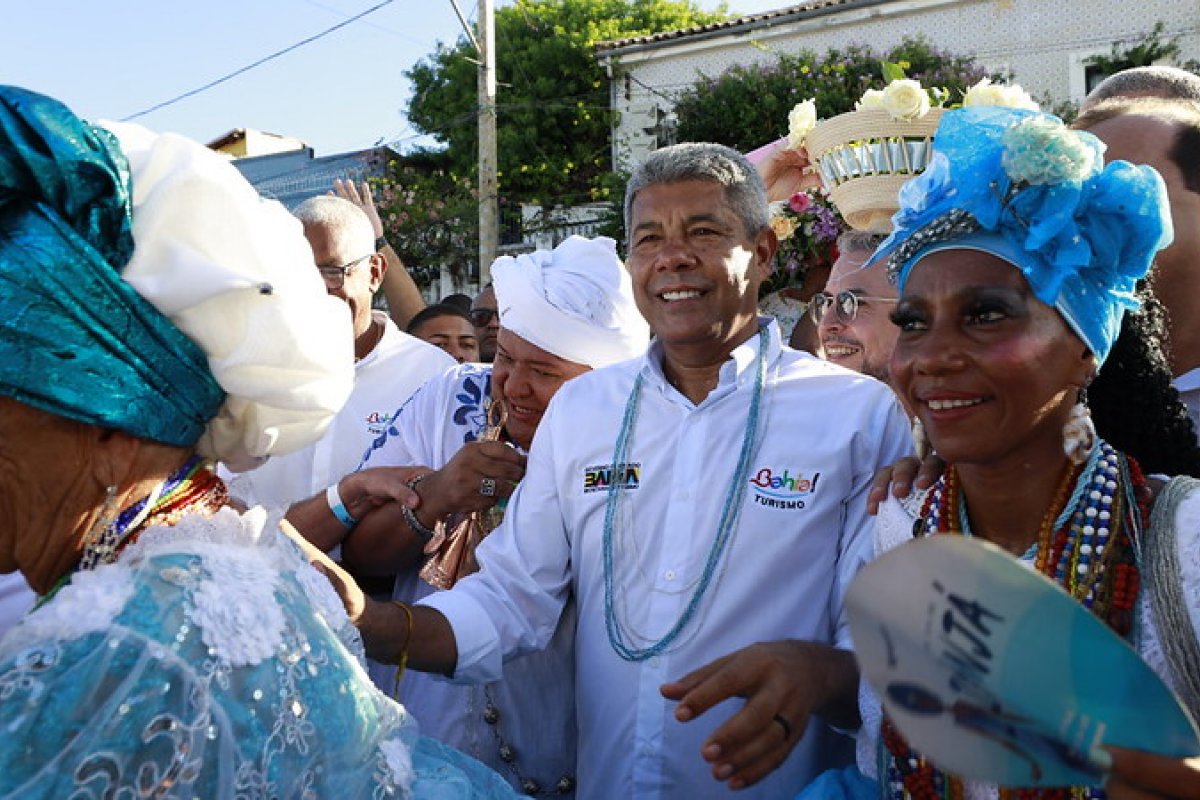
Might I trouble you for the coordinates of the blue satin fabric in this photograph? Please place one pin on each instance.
(75, 339)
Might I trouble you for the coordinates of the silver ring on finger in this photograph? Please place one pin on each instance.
(487, 487)
(783, 723)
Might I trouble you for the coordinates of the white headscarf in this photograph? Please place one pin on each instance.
(575, 302)
(235, 273)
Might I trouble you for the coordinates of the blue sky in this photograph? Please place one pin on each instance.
(109, 59)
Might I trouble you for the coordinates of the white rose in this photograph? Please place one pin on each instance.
(871, 99)
(905, 99)
(984, 93)
(1016, 97)
(801, 120)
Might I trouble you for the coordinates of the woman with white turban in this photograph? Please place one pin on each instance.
(562, 313)
(153, 319)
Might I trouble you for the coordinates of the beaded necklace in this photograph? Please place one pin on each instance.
(194, 486)
(1086, 545)
(725, 526)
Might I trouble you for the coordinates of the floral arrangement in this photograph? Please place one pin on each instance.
(863, 157)
(905, 99)
(1042, 151)
(807, 225)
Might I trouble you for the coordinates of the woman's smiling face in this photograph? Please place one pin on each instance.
(989, 369)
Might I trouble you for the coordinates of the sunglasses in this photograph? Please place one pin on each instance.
(845, 305)
(480, 317)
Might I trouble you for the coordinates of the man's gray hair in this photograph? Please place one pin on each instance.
(702, 161)
(346, 222)
(855, 241)
(1169, 83)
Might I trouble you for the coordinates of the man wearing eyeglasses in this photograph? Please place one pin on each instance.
(486, 319)
(852, 312)
(389, 364)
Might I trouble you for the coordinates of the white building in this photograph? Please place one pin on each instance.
(1043, 43)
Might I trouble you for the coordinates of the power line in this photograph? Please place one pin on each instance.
(260, 62)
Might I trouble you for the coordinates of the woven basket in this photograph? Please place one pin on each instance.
(864, 157)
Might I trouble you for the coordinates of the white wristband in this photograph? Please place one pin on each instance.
(334, 499)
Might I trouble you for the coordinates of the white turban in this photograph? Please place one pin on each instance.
(575, 302)
(235, 273)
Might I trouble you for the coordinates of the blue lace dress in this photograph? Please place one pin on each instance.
(210, 661)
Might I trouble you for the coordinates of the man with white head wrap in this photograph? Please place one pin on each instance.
(562, 313)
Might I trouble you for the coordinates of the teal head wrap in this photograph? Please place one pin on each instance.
(75, 339)
(1020, 185)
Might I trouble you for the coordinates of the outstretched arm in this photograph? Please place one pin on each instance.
(784, 684)
(424, 640)
(403, 297)
(360, 492)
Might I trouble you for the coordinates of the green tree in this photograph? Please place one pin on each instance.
(748, 106)
(1145, 52)
(430, 215)
(553, 117)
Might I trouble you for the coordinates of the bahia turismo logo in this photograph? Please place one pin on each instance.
(377, 422)
(783, 489)
(601, 476)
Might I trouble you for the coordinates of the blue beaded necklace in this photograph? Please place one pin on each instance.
(729, 515)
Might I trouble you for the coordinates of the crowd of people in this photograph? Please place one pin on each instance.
(589, 533)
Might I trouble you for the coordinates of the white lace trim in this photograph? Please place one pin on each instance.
(89, 603)
(398, 758)
(236, 609)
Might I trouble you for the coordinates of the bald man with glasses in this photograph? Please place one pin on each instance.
(389, 364)
(852, 313)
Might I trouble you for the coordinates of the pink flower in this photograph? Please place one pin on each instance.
(799, 202)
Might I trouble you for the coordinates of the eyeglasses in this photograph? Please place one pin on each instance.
(335, 277)
(480, 317)
(845, 305)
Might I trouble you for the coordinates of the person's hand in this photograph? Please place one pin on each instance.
(1137, 775)
(352, 597)
(786, 172)
(783, 683)
(361, 196)
(902, 477)
(478, 476)
(370, 488)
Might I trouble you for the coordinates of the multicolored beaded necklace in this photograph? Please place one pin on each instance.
(1086, 544)
(193, 487)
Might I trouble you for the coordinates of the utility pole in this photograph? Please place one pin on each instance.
(489, 235)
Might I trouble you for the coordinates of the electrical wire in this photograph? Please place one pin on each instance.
(257, 63)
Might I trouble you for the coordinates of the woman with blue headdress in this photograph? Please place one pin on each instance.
(1017, 253)
(155, 316)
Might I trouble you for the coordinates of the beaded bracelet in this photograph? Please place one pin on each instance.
(402, 661)
(410, 516)
(334, 498)
(380, 243)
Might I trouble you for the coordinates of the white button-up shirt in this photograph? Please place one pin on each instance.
(802, 533)
(384, 379)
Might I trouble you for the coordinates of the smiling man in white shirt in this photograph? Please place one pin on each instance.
(693, 502)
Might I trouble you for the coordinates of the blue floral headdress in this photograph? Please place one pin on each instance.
(1022, 186)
